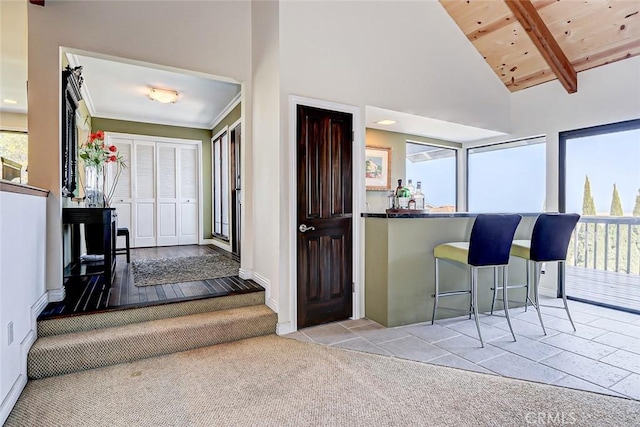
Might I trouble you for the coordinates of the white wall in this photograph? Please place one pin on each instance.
(401, 55)
(407, 56)
(22, 290)
(267, 164)
(209, 37)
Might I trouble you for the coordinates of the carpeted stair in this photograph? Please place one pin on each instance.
(78, 343)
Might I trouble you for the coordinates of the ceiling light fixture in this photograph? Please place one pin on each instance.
(9, 101)
(386, 122)
(165, 96)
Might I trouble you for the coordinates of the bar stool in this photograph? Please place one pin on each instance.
(488, 247)
(549, 243)
(124, 231)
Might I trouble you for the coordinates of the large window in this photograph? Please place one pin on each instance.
(435, 168)
(600, 179)
(13, 151)
(507, 177)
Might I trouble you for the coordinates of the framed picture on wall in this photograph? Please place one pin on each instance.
(378, 168)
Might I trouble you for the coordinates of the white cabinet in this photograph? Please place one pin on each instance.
(144, 213)
(188, 224)
(157, 196)
(167, 215)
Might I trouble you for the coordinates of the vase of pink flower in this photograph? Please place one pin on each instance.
(96, 155)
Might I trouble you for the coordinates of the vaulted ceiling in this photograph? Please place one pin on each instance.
(531, 42)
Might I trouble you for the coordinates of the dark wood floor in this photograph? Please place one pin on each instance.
(90, 295)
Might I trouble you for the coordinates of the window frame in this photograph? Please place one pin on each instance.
(562, 180)
(456, 151)
(216, 172)
(513, 143)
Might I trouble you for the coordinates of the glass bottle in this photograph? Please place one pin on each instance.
(419, 197)
(411, 188)
(399, 188)
(391, 200)
(398, 194)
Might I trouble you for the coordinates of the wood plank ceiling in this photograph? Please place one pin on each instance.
(589, 33)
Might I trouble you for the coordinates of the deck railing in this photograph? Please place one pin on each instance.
(608, 243)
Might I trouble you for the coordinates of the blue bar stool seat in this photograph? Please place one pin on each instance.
(488, 247)
(549, 243)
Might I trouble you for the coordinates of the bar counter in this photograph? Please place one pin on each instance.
(399, 266)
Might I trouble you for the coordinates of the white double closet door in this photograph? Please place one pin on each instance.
(157, 195)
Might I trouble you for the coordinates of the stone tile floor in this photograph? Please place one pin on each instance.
(602, 356)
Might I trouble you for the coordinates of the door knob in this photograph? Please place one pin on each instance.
(303, 228)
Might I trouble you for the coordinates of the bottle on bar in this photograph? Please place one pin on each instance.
(398, 194)
(419, 197)
(411, 188)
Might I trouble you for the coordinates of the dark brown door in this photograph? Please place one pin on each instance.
(324, 224)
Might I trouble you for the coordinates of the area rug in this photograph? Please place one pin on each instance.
(160, 271)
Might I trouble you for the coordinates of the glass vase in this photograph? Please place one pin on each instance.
(94, 186)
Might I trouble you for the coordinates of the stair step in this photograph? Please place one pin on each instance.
(126, 316)
(78, 351)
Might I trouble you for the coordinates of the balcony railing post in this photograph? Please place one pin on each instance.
(629, 249)
(575, 246)
(595, 245)
(618, 247)
(586, 245)
(606, 246)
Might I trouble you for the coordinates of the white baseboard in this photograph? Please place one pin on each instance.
(272, 304)
(262, 281)
(56, 295)
(266, 284)
(37, 308)
(12, 397)
(285, 328)
(21, 381)
(245, 274)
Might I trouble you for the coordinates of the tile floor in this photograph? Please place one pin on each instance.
(602, 356)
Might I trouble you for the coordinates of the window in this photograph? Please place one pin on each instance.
(435, 168)
(14, 152)
(600, 179)
(220, 153)
(507, 177)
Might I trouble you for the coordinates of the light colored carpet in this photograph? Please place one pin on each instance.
(160, 271)
(273, 381)
(63, 354)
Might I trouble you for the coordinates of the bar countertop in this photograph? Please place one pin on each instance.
(412, 213)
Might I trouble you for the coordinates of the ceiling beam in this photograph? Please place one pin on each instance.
(539, 33)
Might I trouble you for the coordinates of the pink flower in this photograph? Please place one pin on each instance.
(113, 158)
(99, 134)
(113, 149)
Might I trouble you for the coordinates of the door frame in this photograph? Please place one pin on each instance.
(177, 141)
(359, 197)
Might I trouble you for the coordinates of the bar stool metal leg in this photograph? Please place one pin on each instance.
(505, 299)
(566, 306)
(536, 289)
(470, 293)
(495, 289)
(435, 302)
(474, 300)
